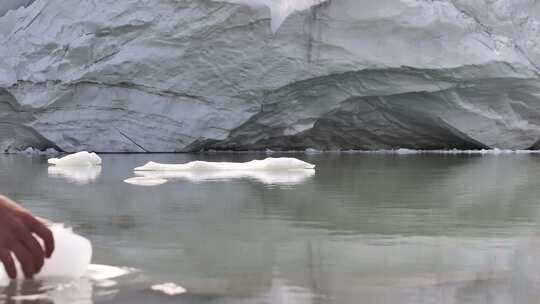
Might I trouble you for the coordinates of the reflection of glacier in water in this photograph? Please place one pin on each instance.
(293, 177)
(76, 175)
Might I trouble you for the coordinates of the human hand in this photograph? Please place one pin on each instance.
(17, 226)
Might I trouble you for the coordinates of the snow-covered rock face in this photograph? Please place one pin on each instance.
(186, 75)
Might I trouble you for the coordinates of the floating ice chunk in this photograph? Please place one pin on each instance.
(98, 272)
(269, 164)
(280, 9)
(170, 289)
(69, 260)
(290, 177)
(80, 159)
(146, 181)
(77, 175)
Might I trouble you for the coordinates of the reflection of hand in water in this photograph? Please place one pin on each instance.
(292, 177)
(77, 175)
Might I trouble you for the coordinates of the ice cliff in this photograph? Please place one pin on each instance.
(188, 75)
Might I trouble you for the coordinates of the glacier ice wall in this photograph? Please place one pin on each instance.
(279, 9)
(188, 75)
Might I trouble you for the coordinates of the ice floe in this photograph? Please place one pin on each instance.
(98, 272)
(268, 164)
(80, 159)
(277, 171)
(170, 289)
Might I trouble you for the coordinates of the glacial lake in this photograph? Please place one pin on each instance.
(365, 228)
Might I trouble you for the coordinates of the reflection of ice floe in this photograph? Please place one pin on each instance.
(145, 181)
(70, 258)
(292, 177)
(170, 289)
(80, 159)
(269, 164)
(77, 175)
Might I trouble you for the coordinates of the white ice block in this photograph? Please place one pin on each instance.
(80, 159)
(70, 259)
(269, 164)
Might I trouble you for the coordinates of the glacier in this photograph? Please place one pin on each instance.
(199, 75)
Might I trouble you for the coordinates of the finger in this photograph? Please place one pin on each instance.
(26, 260)
(34, 248)
(42, 232)
(9, 264)
(44, 221)
(11, 204)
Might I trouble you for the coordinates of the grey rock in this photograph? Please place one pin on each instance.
(189, 75)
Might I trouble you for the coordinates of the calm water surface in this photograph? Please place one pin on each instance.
(362, 229)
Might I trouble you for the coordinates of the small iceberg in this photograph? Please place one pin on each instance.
(269, 164)
(70, 259)
(170, 289)
(105, 273)
(80, 159)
